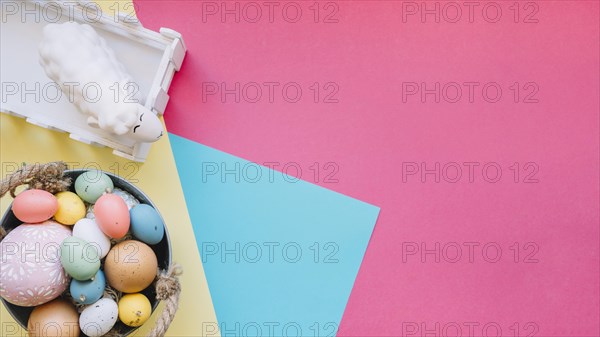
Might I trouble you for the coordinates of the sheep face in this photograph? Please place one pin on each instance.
(148, 127)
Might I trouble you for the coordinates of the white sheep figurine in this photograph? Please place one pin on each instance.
(75, 57)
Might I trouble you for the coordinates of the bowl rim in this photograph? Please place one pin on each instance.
(124, 182)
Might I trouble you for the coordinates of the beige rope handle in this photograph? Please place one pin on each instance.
(168, 289)
(49, 177)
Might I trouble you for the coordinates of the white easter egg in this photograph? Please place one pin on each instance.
(88, 230)
(31, 273)
(97, 319)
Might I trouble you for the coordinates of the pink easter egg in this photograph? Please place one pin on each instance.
(112, 215)
(30, 270)
(34, 206)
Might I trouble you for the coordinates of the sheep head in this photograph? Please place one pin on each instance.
(148, 128)
(135, 121)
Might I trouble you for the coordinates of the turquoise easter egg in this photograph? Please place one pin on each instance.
(88, 292)
(79, 258)
(90, 185)
(146, 224)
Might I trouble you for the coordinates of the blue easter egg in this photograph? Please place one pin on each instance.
(88, 292)
(146, 224)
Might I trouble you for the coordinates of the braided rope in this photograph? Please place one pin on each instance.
(48, 177)
(168, 289)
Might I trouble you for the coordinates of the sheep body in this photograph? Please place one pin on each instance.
(78, 59)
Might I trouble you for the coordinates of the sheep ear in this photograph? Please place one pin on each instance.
(93, 122)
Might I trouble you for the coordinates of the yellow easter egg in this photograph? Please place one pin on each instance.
(134, 309)
(70, 208)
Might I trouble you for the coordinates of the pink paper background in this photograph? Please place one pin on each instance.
(371, 132)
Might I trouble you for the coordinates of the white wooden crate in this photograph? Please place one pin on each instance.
(150, 57)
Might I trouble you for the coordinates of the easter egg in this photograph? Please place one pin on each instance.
(112, 215)
(92, 184)
(54, 319)
(88, 230)
(134, 309)
(99, 318)
(31, 273)
(33, 206)
(130, 266)
(79, 258)
(88, 292)
(129, 199)
(70, 208)
(146, 224)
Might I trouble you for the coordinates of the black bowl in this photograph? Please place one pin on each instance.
(161, 249)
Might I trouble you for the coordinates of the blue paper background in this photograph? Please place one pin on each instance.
(280, 254)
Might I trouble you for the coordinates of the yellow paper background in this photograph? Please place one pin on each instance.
(157, 177)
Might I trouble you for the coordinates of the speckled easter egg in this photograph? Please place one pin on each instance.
(130, 266)
(70, 208)
(112, 215)
(146, 224)
(90, 185)
(31, 272)
(97, 319)
(134, 309)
